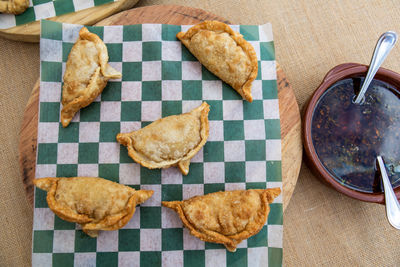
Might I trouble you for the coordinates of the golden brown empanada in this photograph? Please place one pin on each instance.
(95, 203)
(169, 141)
(225, 217)
(13, 6)
(225, 53)
(86, 74)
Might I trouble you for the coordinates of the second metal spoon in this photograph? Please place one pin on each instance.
(391, 202)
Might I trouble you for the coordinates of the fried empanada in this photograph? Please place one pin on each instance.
(13, 6)
(95, 203)
(225, 217)
(225, 53)
(86, 74)
(169, 141)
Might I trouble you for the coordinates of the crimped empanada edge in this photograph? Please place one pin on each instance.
(98, 79)
(110, 223)
(60, 211)
(212, 237)
(267, 196)
(213, 25)
(230, 242)
(124, 139)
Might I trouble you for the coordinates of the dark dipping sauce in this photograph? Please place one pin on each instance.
(348, 137)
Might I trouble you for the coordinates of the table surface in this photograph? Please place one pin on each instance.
(321, 226)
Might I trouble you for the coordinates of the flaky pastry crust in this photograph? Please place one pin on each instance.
(95, 203)
(169, 141)
(225, 217)
(225, 53)
(13, 6)
(86, 74)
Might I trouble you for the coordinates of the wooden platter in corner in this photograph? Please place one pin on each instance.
(30, 32)
(179, 15)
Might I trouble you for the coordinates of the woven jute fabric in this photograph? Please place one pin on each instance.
(321, 226)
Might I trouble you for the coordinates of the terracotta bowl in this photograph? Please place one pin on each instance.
(336, 74)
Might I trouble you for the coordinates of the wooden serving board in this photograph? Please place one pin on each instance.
(179, 15)
(30, 32)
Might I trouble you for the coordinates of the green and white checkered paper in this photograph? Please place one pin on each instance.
(43, 9)
(160, 78)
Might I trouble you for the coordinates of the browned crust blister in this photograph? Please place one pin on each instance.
(216, 26)
(182, 163)
(230, 241)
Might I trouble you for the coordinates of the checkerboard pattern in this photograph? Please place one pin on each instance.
(43, 9)
(160, 78)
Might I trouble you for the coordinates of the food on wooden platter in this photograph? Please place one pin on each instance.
(169, 141)
(95, 203)
(225, 53)
(225, 217)
(86, 74)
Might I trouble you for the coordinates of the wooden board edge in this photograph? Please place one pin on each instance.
(30, 32)
(28, 142)
(291, 143)
(291, 163)
(178, 13)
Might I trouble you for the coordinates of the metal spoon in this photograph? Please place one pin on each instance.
(392, 204)
(382, 49)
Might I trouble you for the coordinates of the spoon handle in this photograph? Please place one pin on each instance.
(382, 49)
(392, 205)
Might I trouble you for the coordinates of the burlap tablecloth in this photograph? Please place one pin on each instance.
(321, 226)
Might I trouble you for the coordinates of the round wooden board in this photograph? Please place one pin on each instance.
(30, 32)
(179, 15)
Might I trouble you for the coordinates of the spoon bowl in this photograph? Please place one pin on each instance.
(391, 202)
